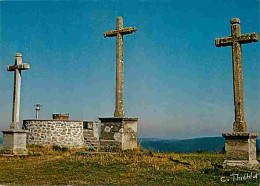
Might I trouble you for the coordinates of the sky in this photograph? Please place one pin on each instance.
(177, 82)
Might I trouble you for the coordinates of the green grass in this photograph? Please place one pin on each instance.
(47, 166)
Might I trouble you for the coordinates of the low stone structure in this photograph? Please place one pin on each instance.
(15, 142)
(118, 133)
(240, 149)
(55, 132)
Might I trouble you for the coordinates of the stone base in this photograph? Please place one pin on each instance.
(14, 142)
(118, 133)
(240, 150)
(253, 164)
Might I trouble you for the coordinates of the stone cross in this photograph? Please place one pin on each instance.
(17, 68)
(235, 40)
(119, 32)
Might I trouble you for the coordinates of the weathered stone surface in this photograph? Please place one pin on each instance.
(14, 141)
(17, 68)
(241, 149)
(110, 145)
(240, 145)
(55, 132)
(235, 40)
(119, 32)
(118, 132)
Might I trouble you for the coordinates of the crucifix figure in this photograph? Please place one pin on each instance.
(17, 68)
(119, 32)
(235, 40)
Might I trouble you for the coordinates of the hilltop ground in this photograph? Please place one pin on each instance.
(46, 166)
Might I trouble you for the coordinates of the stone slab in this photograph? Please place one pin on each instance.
(118, 133)
(253, 164)
(14, 141)
(240, 149)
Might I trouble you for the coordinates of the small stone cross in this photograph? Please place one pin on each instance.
(17, 68)
(235, 40)
(119, 32)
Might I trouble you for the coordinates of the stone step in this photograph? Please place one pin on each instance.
(91, 138)
(87, 131)
(94, 142)
(88, 135)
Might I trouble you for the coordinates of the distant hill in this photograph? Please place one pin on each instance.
(208, 144)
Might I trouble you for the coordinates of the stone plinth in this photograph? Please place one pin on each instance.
(118, 133)
(14, 141)
(67, 133)
(240, 149)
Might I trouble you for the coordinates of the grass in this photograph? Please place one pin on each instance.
(49, 166)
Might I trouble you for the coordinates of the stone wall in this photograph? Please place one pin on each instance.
(55, 132)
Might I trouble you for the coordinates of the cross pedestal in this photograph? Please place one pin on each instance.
(118, 133)
(14, 140)
(240, 146)
(240, 150)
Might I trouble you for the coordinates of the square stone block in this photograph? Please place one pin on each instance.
(14, 141)
(240, 149)
(118, 133)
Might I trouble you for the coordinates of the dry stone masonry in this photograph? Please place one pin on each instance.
(67, 133)
(240, 145)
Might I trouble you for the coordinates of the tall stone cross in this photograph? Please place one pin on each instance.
(119, 32)
(235, 40)
(17, 68)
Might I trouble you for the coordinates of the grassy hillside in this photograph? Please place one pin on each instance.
(48, 167)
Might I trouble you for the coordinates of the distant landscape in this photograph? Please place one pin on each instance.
(204, 144)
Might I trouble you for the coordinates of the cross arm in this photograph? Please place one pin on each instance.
(224, 41)
(127, 30)
(24, 66)
(111, 33)
(248, 38)
(123, 31)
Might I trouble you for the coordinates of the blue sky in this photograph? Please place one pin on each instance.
(176, 81)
